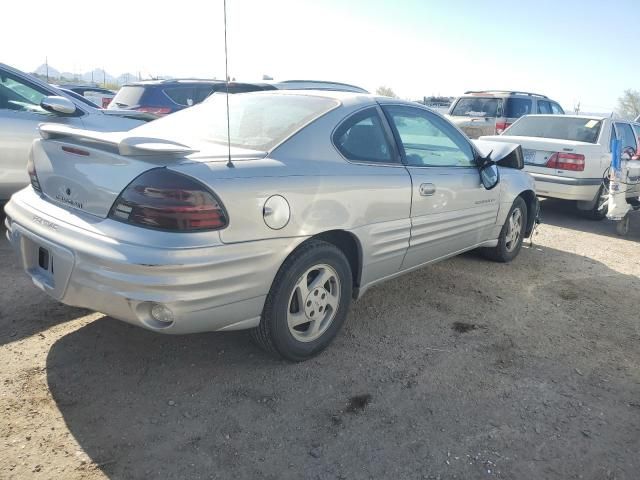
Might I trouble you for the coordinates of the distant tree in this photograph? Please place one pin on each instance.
(386, 92)
(629, 104)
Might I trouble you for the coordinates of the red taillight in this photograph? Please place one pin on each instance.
(154, 110)
(33, 175)
(501, 127)
(566, 161)
(105, 102)
(170, 201)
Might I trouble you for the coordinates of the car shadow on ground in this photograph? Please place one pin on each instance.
(24, 309)
(562, 213)
(541, 385)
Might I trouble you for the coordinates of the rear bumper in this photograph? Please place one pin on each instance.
(219, 287)
(566, 188)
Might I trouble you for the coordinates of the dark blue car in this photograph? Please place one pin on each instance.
(161, 97)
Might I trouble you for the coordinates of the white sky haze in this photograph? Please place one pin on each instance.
(418, 48)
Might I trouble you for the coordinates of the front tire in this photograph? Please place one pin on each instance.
(307, 304)
(511, 235)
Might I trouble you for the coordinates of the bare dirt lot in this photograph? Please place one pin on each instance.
(466, 369)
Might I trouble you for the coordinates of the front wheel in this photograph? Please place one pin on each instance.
(511, 235)
(307, 304)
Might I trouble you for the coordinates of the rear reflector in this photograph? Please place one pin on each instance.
(154, 110)
(166, 200)
(501, 127)
(566, 161)
(33, 176)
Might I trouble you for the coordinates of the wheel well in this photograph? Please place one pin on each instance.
(530, 200)
(350, 246)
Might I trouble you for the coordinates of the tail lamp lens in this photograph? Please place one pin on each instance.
(166, 200)
(501, 127)
(566, 161)
(33, 176)
(154, 110)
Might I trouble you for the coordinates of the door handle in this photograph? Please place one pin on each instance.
(427, 189)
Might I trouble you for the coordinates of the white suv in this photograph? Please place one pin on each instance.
(489, 112)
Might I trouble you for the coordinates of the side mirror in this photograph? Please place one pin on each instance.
(61, 105)
(489, 175)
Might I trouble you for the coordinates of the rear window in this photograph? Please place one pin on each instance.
(257, 122)
(562, 128)
(128, 96)
(477, 107)
(517, 107)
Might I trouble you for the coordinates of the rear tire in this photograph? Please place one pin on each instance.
(307, 304)
(511, 235)
(597, 213)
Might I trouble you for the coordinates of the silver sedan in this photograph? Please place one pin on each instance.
(317, 197)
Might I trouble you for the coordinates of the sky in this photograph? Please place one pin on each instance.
(572, 51)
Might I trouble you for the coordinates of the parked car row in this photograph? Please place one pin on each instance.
(187, 224)
(192, 222)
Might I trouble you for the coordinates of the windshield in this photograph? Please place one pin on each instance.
(476, 107)
(257, 121)
(558, 127)
(78, 97)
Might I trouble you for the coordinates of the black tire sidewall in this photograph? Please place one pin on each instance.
(283, 340)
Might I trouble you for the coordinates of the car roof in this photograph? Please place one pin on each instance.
(344, 97)
(586, 117)
(503, 93)
(175, 81)
(318, 85)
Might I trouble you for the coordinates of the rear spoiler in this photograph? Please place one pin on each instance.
(126, 146)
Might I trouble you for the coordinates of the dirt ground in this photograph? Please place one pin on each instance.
(466, 369)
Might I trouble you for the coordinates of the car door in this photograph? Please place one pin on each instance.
(375, 177)
(451, 211)
(20, 115)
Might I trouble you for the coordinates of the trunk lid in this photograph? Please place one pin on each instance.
(87, 170)
(537, 152)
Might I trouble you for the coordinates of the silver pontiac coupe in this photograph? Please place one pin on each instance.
(316, 197)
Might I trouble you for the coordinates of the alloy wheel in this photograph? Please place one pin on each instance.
(313, 303)
(514, 231)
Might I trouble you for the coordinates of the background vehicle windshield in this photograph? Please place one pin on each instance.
(257, 122)
(563, 128)
(476, 107)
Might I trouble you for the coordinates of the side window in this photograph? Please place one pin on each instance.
(544, 107)
(203, 92)
(625, 134)
(362, 138)
(428, 140)
(184, 96)
(517, 107)
(20, 96)
(556, 109)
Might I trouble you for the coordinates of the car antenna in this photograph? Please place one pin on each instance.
(226, 84)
